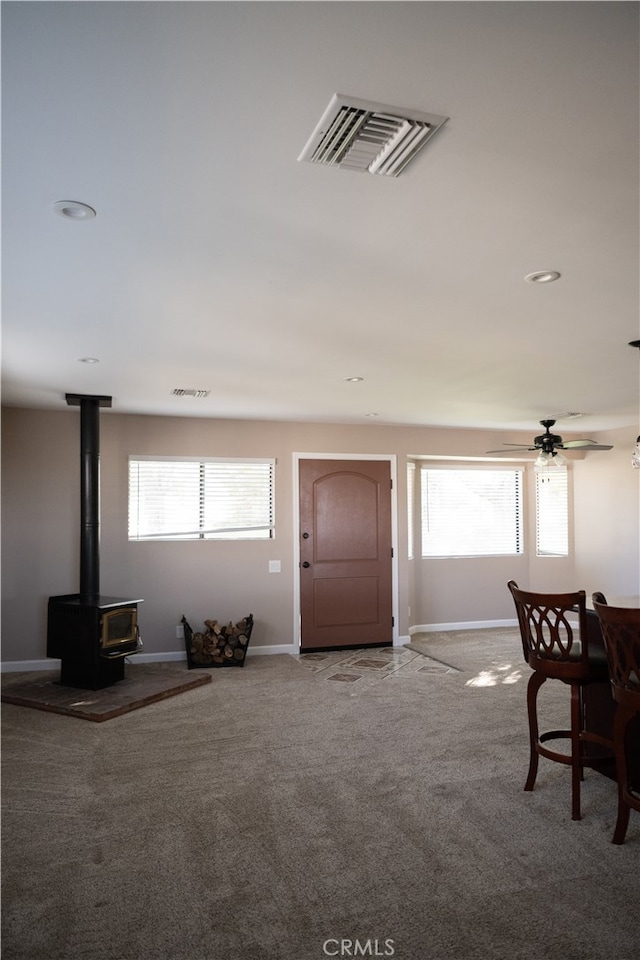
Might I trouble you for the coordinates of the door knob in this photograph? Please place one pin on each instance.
(305, 536)
(306, 564)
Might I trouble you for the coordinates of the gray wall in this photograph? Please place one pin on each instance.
(40, 528)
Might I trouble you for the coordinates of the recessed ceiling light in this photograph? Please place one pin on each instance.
(372, 414)
(542, 276)
(74, 210)
(354, 379)
(88, 360)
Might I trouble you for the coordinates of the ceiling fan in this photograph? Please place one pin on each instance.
(548, 444)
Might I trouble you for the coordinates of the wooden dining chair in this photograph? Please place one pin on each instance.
(621, 634)
(556, 650)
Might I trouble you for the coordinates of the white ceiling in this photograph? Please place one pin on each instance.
(217, 261)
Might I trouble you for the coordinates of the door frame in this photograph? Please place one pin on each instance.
(393, 469)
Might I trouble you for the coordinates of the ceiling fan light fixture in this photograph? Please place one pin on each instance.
(545, 460)
(542, 276)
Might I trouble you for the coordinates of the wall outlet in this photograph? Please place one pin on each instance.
(274, 566)
(179, 632)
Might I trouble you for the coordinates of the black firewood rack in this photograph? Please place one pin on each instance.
(218, 645)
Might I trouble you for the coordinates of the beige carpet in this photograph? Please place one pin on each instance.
(273, 813)
(472, 650)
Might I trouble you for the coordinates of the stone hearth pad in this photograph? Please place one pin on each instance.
(142, 685)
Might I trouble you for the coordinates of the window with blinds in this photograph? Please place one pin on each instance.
(471, 512)
(552, 513)
(206, 499)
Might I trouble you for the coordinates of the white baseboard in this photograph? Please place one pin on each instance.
(28, 666)
(464, 625)
(160, 657)
(279, 648)
(254, 651)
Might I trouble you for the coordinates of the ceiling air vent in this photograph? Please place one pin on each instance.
(369, 137)
(181, 392)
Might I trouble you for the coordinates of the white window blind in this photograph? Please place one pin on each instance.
(411, 479)
(471, 512)
(207, 499)
(552, 513)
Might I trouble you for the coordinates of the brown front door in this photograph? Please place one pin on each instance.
(345, 553)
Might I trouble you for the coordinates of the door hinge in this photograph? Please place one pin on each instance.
(393, 621)
(392, 552)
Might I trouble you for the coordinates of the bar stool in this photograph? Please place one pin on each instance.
(556, 651)
(621, 634)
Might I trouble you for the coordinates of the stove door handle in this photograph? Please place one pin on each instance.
(114, 656)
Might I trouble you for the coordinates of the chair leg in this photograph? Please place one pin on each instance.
(623, 820)
(576, 758)
(535, 682)
(620, 721)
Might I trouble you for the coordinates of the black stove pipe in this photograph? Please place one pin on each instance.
(89, 492)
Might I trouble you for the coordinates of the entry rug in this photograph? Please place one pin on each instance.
(144, 685)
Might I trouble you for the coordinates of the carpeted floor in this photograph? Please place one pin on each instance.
(272, 814)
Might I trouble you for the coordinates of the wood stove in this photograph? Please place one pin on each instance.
(91, 634)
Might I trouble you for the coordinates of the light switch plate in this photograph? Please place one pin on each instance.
(274, 566)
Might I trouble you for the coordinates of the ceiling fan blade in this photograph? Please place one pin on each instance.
(515, 448)
(583, 445)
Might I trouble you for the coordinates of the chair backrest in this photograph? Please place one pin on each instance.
(621, 634)
(553, 628)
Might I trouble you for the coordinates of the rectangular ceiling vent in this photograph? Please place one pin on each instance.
(369, 137)
(181, 392)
